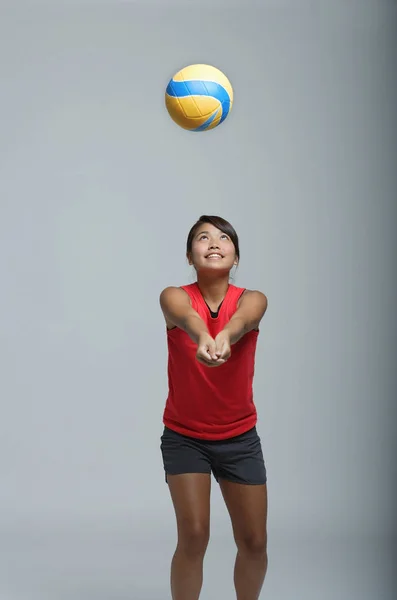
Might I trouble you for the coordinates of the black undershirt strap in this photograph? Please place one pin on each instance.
(214, 315)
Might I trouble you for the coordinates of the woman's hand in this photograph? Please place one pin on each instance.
(208, 353)
(222, 346)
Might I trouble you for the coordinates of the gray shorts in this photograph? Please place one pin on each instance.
(238, 459)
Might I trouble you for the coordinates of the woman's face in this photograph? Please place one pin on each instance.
(212, 250)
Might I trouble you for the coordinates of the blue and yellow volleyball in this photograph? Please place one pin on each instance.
(199, 97)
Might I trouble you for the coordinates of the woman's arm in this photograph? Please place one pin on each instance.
(176, 306)
(252, 307)
(178, 311)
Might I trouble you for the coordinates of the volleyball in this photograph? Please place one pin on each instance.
(199, 97)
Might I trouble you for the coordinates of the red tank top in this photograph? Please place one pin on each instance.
(210, 403)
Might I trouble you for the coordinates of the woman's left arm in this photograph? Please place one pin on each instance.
(252, 307)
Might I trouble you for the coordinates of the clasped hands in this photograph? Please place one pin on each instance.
(213, 352)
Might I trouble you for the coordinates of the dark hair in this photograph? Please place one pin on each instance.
(220, 224)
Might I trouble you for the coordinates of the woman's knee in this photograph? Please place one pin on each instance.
(193, 537)
(252, 543)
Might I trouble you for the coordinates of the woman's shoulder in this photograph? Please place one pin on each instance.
(172, 292)
(251, 295)
(181, 286)
(174, 301)
(256, 293)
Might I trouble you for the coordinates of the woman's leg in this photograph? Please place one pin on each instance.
(190, 495)
(247, 506)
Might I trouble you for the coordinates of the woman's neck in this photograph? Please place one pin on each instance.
(213, 289)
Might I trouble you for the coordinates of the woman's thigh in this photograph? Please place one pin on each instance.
(248, 507)
(187, 469)
(190, 494)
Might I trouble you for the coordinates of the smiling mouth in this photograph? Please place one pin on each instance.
(214, 256)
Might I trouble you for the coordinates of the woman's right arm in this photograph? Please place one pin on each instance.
(177, 309)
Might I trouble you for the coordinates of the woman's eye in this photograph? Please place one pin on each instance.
(204, 236)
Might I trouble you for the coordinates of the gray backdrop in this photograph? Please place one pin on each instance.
(98, 189)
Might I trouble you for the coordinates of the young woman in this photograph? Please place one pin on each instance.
(210, 416)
